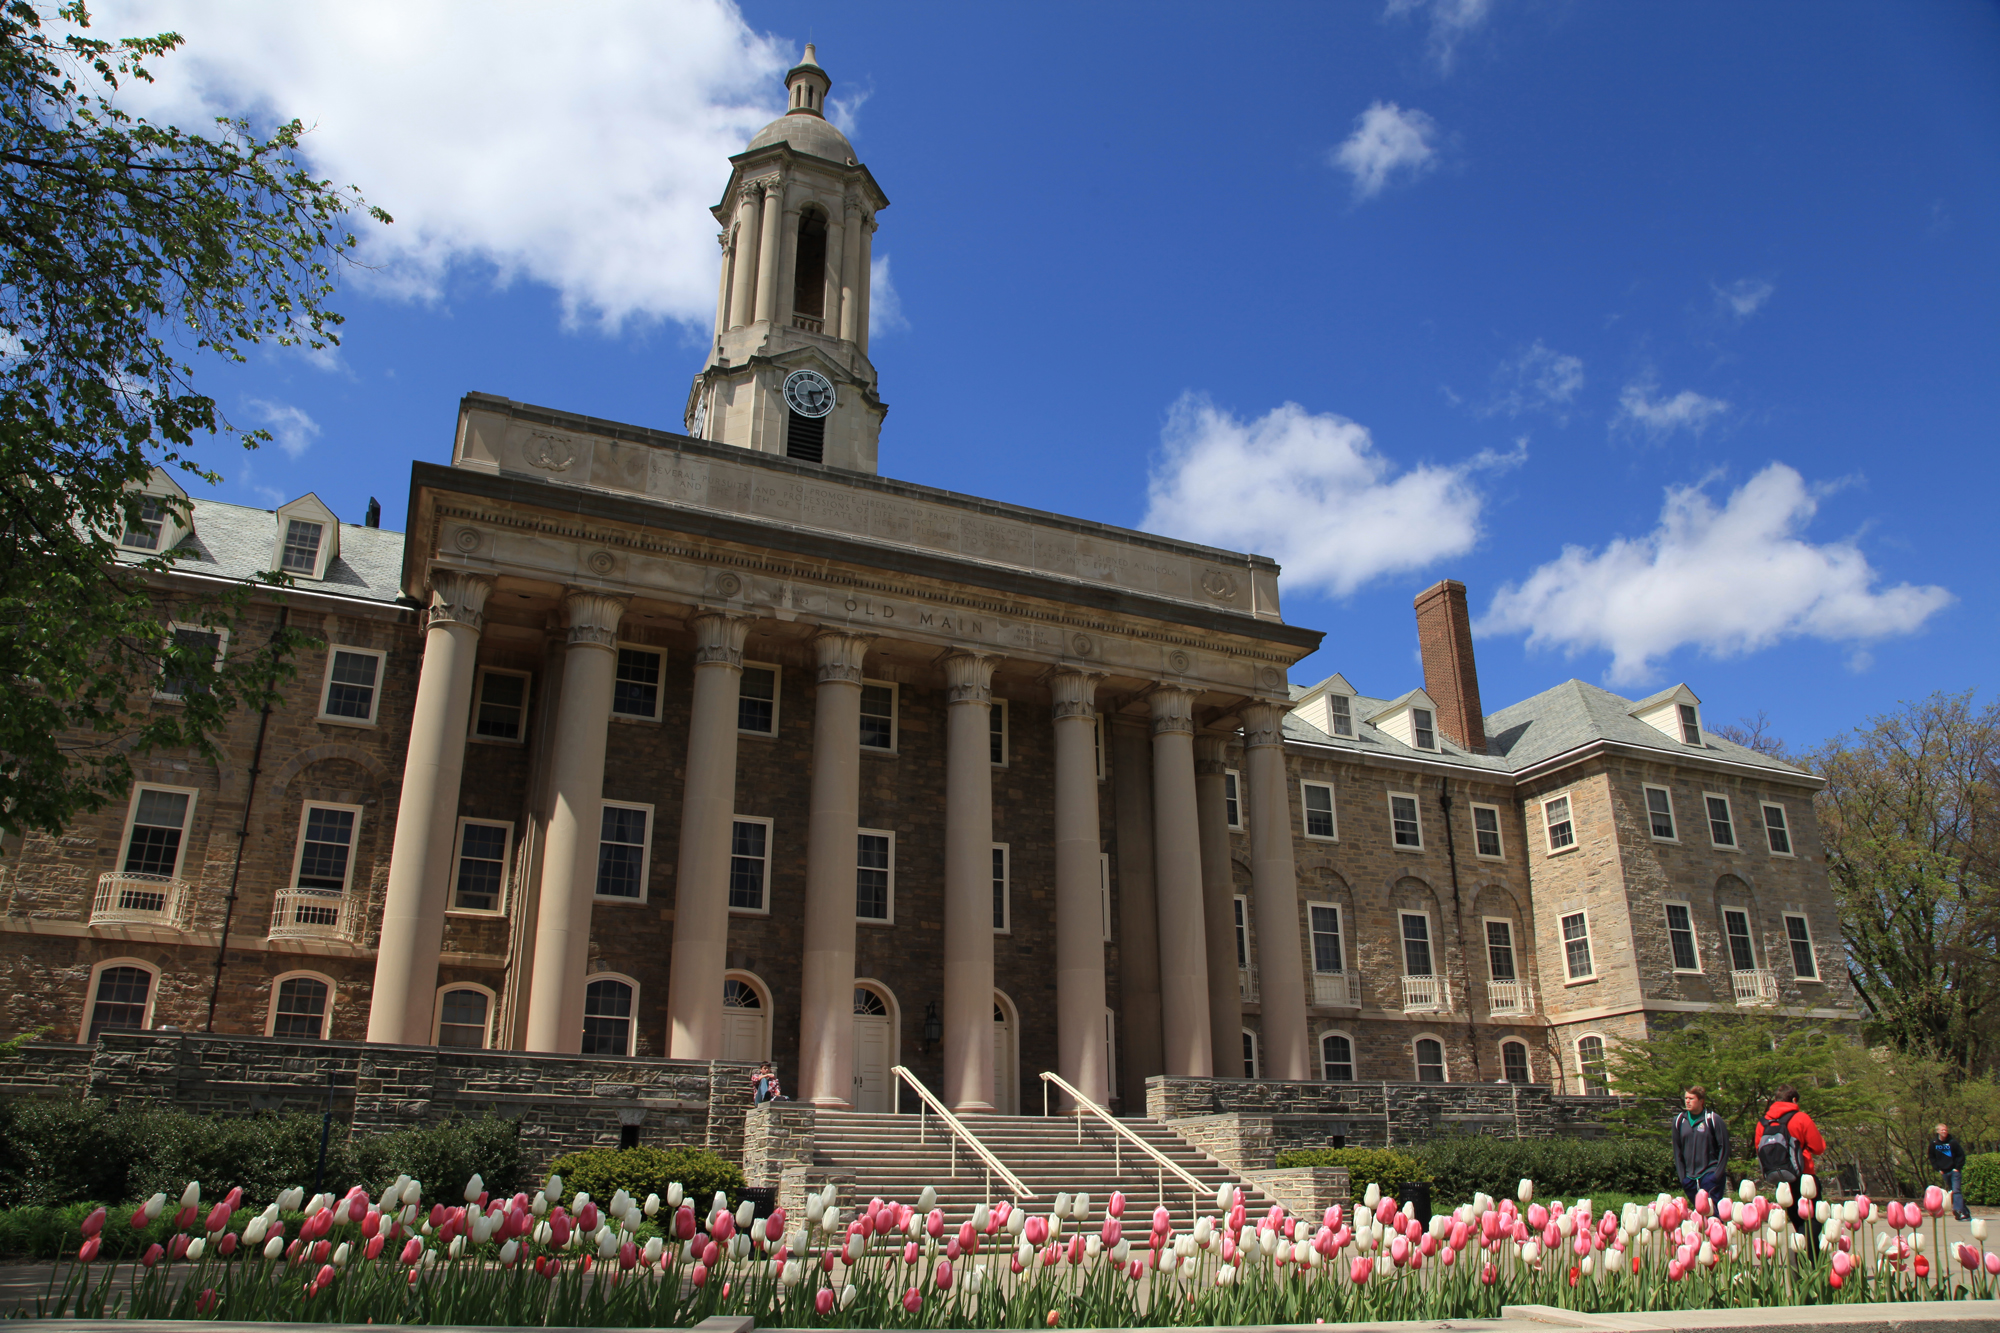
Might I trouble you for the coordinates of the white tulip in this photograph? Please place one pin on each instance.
(155, 1206)
(1850, 1211)
(340, 1254)
(315, 1204)
(1225, 1275)
(1093, 1246)
(1747, 1191)
(1798, 1243)
(474, 1188)
(1267, 1241)
(814, 1208)
(674, 1195)
(1978, 1227)
(197, 1247)
(539, 1205)
(847, 1296)
(457, 1246)
(1225, 1196)
(1821, 1211)
(540, 1233)
(1783, 1197)
(430, 1258)
(1204, 1227)
(973, 1277)
(1589, 1264)
(1917, 1241)
(1371, 1197)
(1121, 1252)
(795, 1273)
(1566, 1225)
(1808, 1187)
(1024, 1252)
(607, 1244)
(980, 1217)
(191, 1196)
(1705, 1256)
(554, 1188)
(721, 1203)
(1079, 1207)
(652, 1204)
(748, 1210)
(274, 1247)
(854, 1243)
(1525, 1192)
(1017, 1222)
(253, 1235)
(1531, 1252)
(512, 1250)
(654, 1249)
(413, 1193)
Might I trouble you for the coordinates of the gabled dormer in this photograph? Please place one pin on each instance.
(308, 539)
(1411, 719)
(164, 516)
(1674, 713)
(1329, 706)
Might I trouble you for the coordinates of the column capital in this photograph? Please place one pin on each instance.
(458, 598)
(969, 676)
(718, 638)
(1264, 723)
(1075, 692)
(851, 202)
(593, 617)
(1211, 753)
(751, 192)
(1173, 710)
(840, 655)
(774, 187)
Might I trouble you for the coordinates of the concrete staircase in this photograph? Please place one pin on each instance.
(882, 1154)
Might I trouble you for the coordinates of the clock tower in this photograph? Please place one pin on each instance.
(788, 371)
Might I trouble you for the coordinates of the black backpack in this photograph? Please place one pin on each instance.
(1778, 1151)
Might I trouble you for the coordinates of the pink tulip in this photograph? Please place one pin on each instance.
(1836, 1281)
(1488, 1274)
(934, 1224)
(1036, 1231)
(1968, 1258)
(1427, 1245)
(558, 1229)
(1116, 1208)
(1551, 1237)
(1111, 1232)
(700, 1275)
(628, 1256)
(913, 1300)
(1385, 1211)
(1992, 1264)
(684, 1223)
(1538, 1217)
(1161, 1220)
(998, 1215)
(139, 1220)
(1332, 1218)
(373, 1249)
(1674, 1270)
(1489, 1227)
(968, 1239)
(776, 1226)
(323, 1277)
(177, 1247)
(1358, 1271)
(152, 1256)
(1449, 1257)
(826, 1260)
(1934, 1201)
(1399, 1251)
(1893, 1215)
(1236, 1215)
(93, 1223)
(206, 1301)
(587, 1217)
(370, 1224)
(823, 1301)
(291, 1251)
(87, 1252)
(357, 1207)
(1228, 1249)
(910, 1253)
(1862, 1206)
(1076, 1249)
(227, 1245)
(711, 1252)
(1702, 1206)
(413, 1251)
(184, 1218)
(944, 1275)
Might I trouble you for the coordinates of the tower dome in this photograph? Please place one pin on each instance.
(804, 125)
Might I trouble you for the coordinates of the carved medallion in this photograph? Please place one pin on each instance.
(1177, 660)
(1219, 584)
(1081, 645)
(1271, 678)
(601, 562)
(466, 539)
(728, 585)
(553, 452)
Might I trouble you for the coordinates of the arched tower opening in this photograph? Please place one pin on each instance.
(809, 272)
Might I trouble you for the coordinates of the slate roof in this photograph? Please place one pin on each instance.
(236, 542)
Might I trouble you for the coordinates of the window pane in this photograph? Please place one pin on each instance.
(999, 888)
(1416, 946)
(1774, 827)
(462, 1019)
(1514, 1061)
(196, 651)
(1576, 946)
(1343, 717)
(502, 700)
(1430, 1061)
(1680, 930)
(1660, 809)
(621, 853)
(1719, 828)
(1562, 833)
(1420, 725)
(301, 1009)
(324, 854)
(157, 826)
(1403, 818)
(1486, 830)
(1326, 939)
(996, 732)
(1590, 1059)
(1319, 811)
(1690, 725)
(1500, 949)
(1242, 936)
(1337, 1054)
(757, 700)
(1231, 802)
(637, 691)
(350, 686)
(121, 1000)
(1803, 963)
(878, 717)
(482, 868)
(301, 546)
(144, 535)
(607, 1018)
(748, 856)
(1249, 1055)
(1742, 956)
(871, 877)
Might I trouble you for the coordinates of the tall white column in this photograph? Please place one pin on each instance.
(419, 887)
(788, 265)
(862, 280)
(708, 808)
(1080, 1054)
(853, 275)
(968, 883)
(569, 866)
(749, 212)
(826, 1020)
(1218, 899)
(769, 249)
(1275, 893)
(1184, 1029)
(836, 243)
(1129, 740)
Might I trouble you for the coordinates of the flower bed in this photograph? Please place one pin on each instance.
(536, 1260)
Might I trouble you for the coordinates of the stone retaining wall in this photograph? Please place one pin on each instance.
(1274, 1115)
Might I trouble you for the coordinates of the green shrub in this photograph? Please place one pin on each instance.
(1981, 1181)
(1365, 1166)
(599, 1172)
(1565, 1168)
(442, 1157)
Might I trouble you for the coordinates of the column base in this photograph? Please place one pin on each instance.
(976, 1108)
(831, 1104)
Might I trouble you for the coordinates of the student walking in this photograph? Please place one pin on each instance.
(1949, 1160)
(1788, 1143)
(1701, 1146)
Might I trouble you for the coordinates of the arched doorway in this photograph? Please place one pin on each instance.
(874, 1049)
(1006, 1057)
(746, 1019)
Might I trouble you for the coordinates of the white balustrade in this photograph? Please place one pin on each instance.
(1755, 986)
(1340, 990)
(141, 900)
(1246, 984)
(1426, 995)
(316, 914)
(1509, 997)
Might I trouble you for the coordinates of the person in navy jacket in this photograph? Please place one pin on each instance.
(1949, 1159)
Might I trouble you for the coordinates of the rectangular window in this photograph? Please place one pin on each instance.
(1805, 966)
(636, 691)
(1416, 944)
(301, 546)
(502, 712)
(1341, 714)
(158, 832)
(1690, 725)
(1721, 829)
(757, 700)
(144, 534)
(1486, 831)
(878, 716)
(1000, 919)
(123, 996)
(1500, 949)
(623, 847)
(1561, 828)
(1242, 932)
(749, 864)
(1249, 1054)
(326, 846)
(1104, 892)
(1680, 934)
(1660, 812)
(1327, 956)
(1421, 727)
(1405, 827)
(1514, 1062)
(1232, 796)
(194, 654)
(996, 733)
(1742, 953)
(1336, 1051)
(1097, 743)
(1319, 809)
(479, 884)
(1776, 831)
(875, 875)
(353, 677)
(1576, 946)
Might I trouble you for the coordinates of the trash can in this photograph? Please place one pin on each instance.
(1419, 1199)
(764, 1199)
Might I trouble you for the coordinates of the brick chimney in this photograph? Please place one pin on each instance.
(1444, 634)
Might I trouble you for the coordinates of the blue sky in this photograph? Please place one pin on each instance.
(1672, 330)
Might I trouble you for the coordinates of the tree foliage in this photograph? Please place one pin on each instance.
(128, 252)
(1741, 1059)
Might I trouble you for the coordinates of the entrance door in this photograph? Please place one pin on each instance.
(1006, 1065)
(871, 1051)
(743, 1022)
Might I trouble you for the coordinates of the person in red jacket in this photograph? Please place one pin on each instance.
(1785, 1105)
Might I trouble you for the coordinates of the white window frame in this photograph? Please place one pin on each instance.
(1097, 742)
(1418, 806)
(770, 849)
(1430, 943)
(890, 918)
(632, 1030)
(1583, 1070)
(437, 1012)
(97, 971)
(1312, 944)
(1444, 1056)
(1569, 817)
(1333, 717)
(506, 867)
(326, 1019)
(333, 651)
(1694, 936)
(1353, 1055)
(1749, 936)
(1104, 892)
(1729, 813)
(1499, 832)
(777, 699)
(1590, 947)
(1784, 826)
(479, 692)
(1232, 782)
(1646, 791)
(997, 708)
(1527, 1055)
(1513, 947)
(299, 842)
(221, 634)
(645, 855)
(1240, 924)
(1256, 1054)
(1812, 949)
(1332, 812)
(895, 717)
(1417, 729)
(659, 687)
(1682, 723)
(1006, 889)
(132, 814)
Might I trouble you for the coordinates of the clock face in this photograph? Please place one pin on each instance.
(808, 393)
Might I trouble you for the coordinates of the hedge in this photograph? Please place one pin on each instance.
(599, 1172)
(1365, 1166)
(1565, 1168)
(1981, 1181)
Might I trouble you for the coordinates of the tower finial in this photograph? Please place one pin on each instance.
(806, 85)
(809, 58)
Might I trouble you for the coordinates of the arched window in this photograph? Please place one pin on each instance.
(300, 1006)
(1514, 1062)
(1430, 1060)
(607, 1016)
(465, 1017)
(1249, 1053)
(809, 270)
(1336, 1057)
(869, 1004)
(121, 999)
(746, 1018)
(740, 994)
(1590, 1066)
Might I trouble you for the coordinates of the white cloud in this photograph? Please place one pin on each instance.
(1309, 490)
(577, 149)
(885, 308)
(1387, 141)
(1743, 297)
(1727, 581)
(1640, 409)
(1451, 22)
(1541, 379)
(291, 427)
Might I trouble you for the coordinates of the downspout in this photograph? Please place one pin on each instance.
(242, 837)
(1458, 924)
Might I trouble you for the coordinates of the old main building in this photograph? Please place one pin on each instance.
(720, 745)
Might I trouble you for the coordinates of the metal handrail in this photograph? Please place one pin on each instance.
(958, 1129)
(1160, 1159)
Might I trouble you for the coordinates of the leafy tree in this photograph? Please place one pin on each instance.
(127, 251)
(1740, 1059)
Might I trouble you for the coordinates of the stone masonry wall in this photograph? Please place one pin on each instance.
(1257, 1120)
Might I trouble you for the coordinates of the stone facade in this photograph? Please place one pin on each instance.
(1245, 1124)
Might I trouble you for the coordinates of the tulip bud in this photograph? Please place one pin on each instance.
(274, 1247)
(196, 1247)
(745, 1212)
(191, 1196)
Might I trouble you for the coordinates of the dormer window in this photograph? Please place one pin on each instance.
(302, 546)
(1340, 714)
(1690, 725)
(308, 539)
(144, 534)
(160, 519)
(1423, 729)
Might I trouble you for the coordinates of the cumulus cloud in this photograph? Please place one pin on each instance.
(1541, 379)
(1641, 409)
(1728, 580)
(289, 426)
(1311, 491)
(1451, 21)
(577, 150)
(1387, 142)
(885, 308)
(1743, 297)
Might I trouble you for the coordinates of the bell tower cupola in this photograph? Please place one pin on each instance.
(788, 371)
